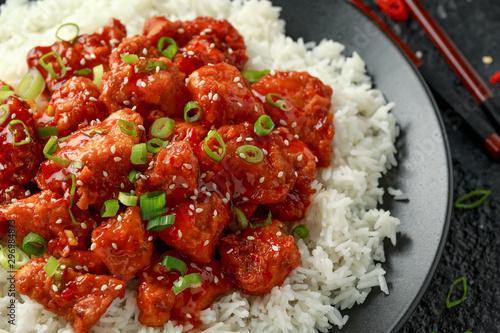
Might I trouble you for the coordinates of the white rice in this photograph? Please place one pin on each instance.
(341, 258)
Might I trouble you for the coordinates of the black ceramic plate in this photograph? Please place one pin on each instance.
(424, 167)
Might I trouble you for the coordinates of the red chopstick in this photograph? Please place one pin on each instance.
(469, 77)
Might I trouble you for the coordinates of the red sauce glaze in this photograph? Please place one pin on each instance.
(157, 301)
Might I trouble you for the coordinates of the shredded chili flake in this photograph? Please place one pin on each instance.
(395, 9)
(495, 78)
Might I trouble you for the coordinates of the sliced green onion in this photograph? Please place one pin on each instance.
(250, 154)
(254, 76)
(98, 72)
(189, 281)
(457, 281)
(110, 208)
(170, 262)
(160, 223)
(267, 122)
(153, 65)
(152, 204)
(171, 50)
(139, 154)
(49, 68)
(63, 138)
(301, 231)
(194, 107)
(162, 127)
(83, 72)
(241, 217)
(34, 244)
(77, 32)
(26, 131)
(222, 150)
(72, 196)
(129, 58)
(32, 85)
(155, 145)
(131, 130)
(267, 222)
(5, 88)
(484, 194)
(50, 148)
(46, 132)
(279, 103)
(4, 94)
(20, 258)
(127, 199)
(5, 110)
(51, 266)
(132, 175)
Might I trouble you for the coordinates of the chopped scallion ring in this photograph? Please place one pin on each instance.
(127, 199)
(98, 72)
(189, 281)
(250, 153)
(5, 88)
(162, 127)
(32, 85)
(280, 101)
(171, 50)
(4, 94)
(132, 175)
(72, 197)
(110, 208)
(130, 128)
(152, 204)
(50, 148)
(34, 244)
(482, 194)
(301, 231)
(51, 266)
(267, 122)
(19, 257)
(75, 34)
(170, 262)
(152, 65)
(241, 217)
(155, 145)
(267, 222)
(192, 107)
(49, 68)
(139, 154)
(47, 132)
(5, 113)
(129, 58)
(254, 76)
(222, 150)
(457, 281)
(84, 71)
(160, 223)
(26, 131)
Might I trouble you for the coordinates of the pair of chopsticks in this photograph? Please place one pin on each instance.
(480, 128)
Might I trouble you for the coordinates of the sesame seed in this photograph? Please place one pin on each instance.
(282, 122)
(85, 268)
(186, 80)
(205, 244)
(249, 139)
(216, 279)
(193, 197)
(272, 72)
(82, 62)
(134, 108)
(189, 315)
(180, 30)
(191, 207)
(125, 80)
(240, 85)
(230, 50)
(79, 183)
(190, 52)
(145, 51)
(160, 278)
(188, 166)
(261, 180)
(179, 233)
(59, 221)
(104, 287)
(83, 225)
(280, 174)
(275, 248)
(216, 213)
(239, 139)
(199, 210)
(212, 45)
(118, 287)
(143, 84)
(174, 178)
(214, 186)
(78, 267)
(264, 151)
(190, 213)
(54, 287)
(145, 274)
(171, 187)
(105, 174)
(141, 127)
(157, 69)
(93, 99)
(299, 158)
(150, 238)
(185, 185)
(224, 200)
(126, 102)
(31, 205)
(236, 79)
(228, 196)
(117, 159)
(209, 194)
(296, 174)
(119, 218)
(230, 250)
(244, 199)
(93, 246)
(195, 192)
(210, 95)
(250, 238)
(287, 143)
(242, 155)
(122, 186)
(13, 200)
(216, 97)
(239, 104)
(256, 109)
(294, 124)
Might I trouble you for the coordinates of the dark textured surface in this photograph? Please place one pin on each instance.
(473, 246)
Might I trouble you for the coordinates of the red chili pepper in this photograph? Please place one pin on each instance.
(395, 9)
(495, 78)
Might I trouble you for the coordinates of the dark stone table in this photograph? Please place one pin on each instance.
(473, 246)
